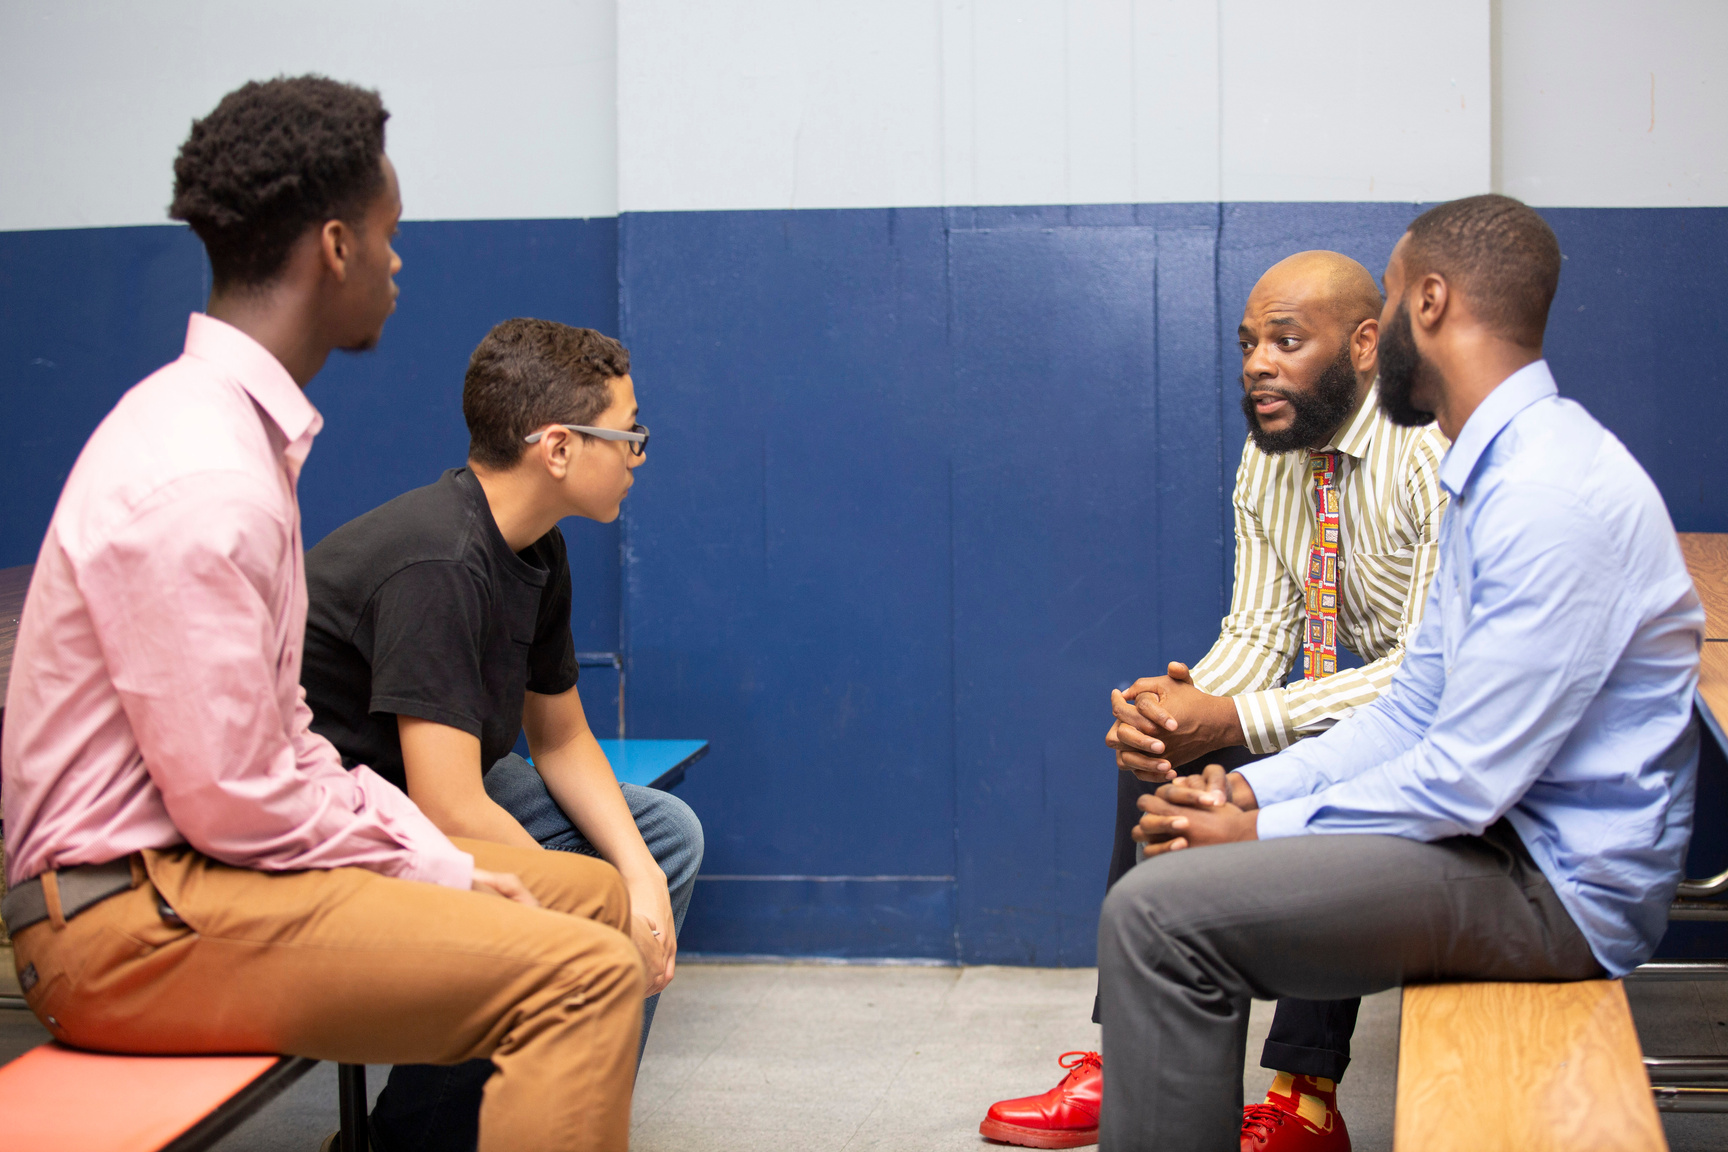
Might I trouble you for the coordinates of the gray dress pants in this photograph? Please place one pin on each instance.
(1307, 1037)
(1187, 939)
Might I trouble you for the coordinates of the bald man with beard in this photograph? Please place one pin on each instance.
(1337, 515)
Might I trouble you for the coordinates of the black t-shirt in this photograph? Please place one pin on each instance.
(419, 608)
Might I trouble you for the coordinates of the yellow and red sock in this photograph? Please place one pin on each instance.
(1314, 1098)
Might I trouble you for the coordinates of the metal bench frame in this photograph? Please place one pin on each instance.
(1690, 1083)
(241, 1106)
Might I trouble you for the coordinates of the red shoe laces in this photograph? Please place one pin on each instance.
(1259, 1120)
(1080, 1062)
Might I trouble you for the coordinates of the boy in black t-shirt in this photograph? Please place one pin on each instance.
(439, 629)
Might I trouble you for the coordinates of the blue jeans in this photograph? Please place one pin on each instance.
(436, 1108)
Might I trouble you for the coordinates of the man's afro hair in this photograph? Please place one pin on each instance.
(274, 159)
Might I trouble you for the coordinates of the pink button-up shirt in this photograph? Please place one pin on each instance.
(155, 691)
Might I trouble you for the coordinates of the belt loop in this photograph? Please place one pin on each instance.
(138, 873)
(51, 896)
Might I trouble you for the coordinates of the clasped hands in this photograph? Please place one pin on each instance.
(1214, 807)
(1163, 721)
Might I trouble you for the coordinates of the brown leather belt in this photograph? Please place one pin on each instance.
(81, 886)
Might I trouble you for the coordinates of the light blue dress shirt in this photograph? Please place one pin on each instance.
(1551, 681)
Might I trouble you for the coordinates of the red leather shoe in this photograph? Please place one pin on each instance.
(1307, 1120)
(1064, 1117)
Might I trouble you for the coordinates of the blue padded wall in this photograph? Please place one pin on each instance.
(789, 572)
(929, 482)
(87, 313)
(393, 417)
(1090, 438)
(926, 484)
(1636, 336)
(1632, 334)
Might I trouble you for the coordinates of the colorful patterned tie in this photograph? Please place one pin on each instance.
(1320, 646)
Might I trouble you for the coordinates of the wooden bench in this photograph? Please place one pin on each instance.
(1522, 1068)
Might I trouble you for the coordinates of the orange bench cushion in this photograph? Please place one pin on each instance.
(55, 1099)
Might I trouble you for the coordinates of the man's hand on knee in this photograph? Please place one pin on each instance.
(505, 884)
(1163, 721)
(651, 929)
(647, 939)
(1212, 808)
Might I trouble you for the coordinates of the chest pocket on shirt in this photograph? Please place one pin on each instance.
(1380, 549)
(1382, 568)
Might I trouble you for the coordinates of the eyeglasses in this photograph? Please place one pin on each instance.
(637, 437)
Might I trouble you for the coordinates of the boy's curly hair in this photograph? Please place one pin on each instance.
(272, 160)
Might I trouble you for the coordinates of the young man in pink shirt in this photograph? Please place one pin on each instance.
(191, 868)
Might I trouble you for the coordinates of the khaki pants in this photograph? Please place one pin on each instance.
(351, 966)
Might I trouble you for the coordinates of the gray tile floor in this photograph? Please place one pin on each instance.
(767, 1057)
(890, 1059)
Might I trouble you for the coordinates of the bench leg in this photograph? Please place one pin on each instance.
(351, 1105)
(1686, 1083)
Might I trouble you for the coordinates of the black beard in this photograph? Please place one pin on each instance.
(1319, 411)
(1401, 367)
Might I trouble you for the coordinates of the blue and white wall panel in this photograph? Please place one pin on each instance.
(502, 129)
(931, 304)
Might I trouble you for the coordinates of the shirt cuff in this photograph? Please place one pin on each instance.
(1272, 783)
(1277, 821)
(1265, 721)
(452, 869)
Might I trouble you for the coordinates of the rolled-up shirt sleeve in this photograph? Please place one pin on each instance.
(196, 657)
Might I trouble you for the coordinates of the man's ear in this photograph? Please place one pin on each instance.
(1365, 345)
(336, 242)
(1433, 297)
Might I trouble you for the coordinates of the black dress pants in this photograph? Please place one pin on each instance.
(1308, 1037)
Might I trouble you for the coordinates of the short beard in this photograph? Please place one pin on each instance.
(1319, 410)
(1401, 369)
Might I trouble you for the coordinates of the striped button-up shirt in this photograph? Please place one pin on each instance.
(1390, 503)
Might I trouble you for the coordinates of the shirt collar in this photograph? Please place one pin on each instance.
(1511, 396)
(1357, 432)
(262, 376)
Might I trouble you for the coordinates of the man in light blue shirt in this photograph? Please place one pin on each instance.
(1515, 807)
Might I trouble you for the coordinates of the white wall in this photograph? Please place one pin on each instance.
(1380, 100)
(557, 108)
(502, 109)
(833, 103)
(1605, 103)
